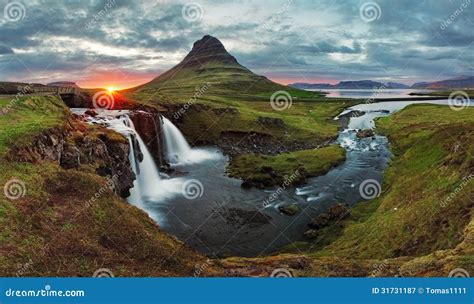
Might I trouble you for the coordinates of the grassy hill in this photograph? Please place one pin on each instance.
(209, 64)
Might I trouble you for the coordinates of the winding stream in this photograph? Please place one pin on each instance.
(210, 212)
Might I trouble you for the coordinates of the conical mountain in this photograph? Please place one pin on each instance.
(211, 72)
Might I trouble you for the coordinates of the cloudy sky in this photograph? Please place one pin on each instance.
(123, 43)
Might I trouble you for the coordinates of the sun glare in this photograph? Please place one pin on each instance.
(111, 89)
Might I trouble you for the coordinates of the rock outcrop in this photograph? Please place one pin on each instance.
(71, 148)
(148, 125)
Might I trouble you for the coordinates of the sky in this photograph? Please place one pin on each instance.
(124, 43)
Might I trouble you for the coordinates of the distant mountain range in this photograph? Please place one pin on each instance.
(463, 82)
(63, 84)
(359, 84)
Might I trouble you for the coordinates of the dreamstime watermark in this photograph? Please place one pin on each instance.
(103, 273)
(379, 269)
(288, 181)
(376, 92)
(192, 189)
(100, 14)
(275, 18)
(455, 14)
(281, 100)
(22, 91)
(24, 268)
(200, 268)
(200, 91)
(281, 273)
(103, 100)
(14, 189)
(192, 12)
(458, 100)
(464, 182)
(14, 11)
(46, 291)
(458, 273)
(370, 189)
(370, 11)
(109, 185)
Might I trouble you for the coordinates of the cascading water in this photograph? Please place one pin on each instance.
(177, 149)
(148, 185)
(148, 179)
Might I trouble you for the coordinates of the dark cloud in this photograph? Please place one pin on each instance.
(4, 50)
(309, 39)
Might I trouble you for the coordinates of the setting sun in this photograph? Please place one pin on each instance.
(111, 89)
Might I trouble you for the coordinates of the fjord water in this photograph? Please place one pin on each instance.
(225, 219)
(369, 93)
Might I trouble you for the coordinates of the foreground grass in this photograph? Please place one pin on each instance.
(54, 229)
(292, 167)
(26, 116)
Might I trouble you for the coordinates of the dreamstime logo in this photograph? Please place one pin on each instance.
(455, 14)
(376, 92)
(14, 189)
(201, 268)
(281, 273)
(22, 91)
(370, 189)
(192, 12)
(458, 100)
(192, 189)
(458, 273)
(14, 11)
(370, 11)
(464, 182)
(101, 14)
(278, 15)
(281, 100)
(103, 273)
(103, 100)
(286, 183)
(198, 94)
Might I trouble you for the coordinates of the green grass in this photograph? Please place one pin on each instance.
(26, 116)
(300, 164)
(433, 153)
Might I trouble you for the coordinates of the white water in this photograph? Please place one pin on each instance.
(148, 185)
(177, 149)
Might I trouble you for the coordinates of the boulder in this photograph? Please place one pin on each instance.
(311, 234)
(289, 209)
(365, 133)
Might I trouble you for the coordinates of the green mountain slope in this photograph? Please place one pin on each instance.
(209, 64)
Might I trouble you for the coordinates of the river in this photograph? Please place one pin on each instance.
(219, 218)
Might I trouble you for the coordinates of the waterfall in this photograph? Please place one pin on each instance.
(176, 148)
(148, 176)
(148, 184)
